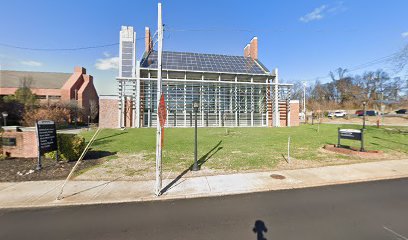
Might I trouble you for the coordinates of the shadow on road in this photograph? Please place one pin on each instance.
(260, 229)
(200, 162)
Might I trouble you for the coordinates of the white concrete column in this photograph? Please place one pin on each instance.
(288, 107)
(219, 103)
(149, 101)
(276, 115)
(236, 101)
(138, 96)
(201, 101)
(185, 101)
(252, 102)
(267, 99)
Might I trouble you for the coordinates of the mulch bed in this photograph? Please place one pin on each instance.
(23, 169)
(353, 151)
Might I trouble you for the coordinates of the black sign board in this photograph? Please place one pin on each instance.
(7, 141)
(47, 136)
(351, 134)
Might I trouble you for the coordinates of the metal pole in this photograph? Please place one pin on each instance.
(195, 166)
(362, 141)
(158, 185)
(364, 114)
(304, 101)
(289, 149)
(39, 165)
(338, 137)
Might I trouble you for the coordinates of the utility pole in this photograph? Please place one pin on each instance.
(304, 100)
(158, 94)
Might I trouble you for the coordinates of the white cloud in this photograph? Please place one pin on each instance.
(316, 14)
(404, 34)
(338, 7)
(107, 63)
(32, 63)
(106, 54)
(322, 11)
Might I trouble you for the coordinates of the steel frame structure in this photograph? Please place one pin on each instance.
(223, 103)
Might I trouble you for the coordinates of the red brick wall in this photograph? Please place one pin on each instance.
(294, 113)
(108, 113)
(87, 93)
(253, 48)
(26, 145)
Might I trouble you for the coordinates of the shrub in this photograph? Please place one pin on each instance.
(70, 147)
(57, 114)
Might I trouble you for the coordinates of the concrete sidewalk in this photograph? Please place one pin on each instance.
(44, 193)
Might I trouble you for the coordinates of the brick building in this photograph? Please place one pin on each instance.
(52, 87)
(232, 90)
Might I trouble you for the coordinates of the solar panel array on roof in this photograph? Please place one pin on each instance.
(204, 62)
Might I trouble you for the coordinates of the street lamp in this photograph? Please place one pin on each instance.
(196, 105)
(5, 115)
(364, 114)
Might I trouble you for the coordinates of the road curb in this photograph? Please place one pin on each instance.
(193, 196)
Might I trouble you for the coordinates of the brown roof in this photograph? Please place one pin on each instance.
(45, 80)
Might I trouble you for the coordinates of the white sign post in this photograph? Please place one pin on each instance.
(159, 93)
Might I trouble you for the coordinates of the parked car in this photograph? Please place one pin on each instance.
(359, 112)
(371, 113)
(402, 111)
(337, 113)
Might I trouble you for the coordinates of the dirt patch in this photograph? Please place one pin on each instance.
(353, 151)
(125, 167)
(277, 176)
(397, 120)
(20, 169)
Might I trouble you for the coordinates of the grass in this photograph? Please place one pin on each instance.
(244, 148)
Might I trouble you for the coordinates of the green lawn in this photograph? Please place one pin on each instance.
(244, 148)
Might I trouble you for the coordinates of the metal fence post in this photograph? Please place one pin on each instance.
(338, 137)
(362, 140)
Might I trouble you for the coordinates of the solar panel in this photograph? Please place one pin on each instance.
(204, 62)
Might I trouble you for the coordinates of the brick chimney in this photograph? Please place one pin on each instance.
(246, 51)
(253, 48)
(148, 40)
(78, 69)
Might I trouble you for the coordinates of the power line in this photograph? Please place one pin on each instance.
(209, 30)
(361, 66)
(62, 49)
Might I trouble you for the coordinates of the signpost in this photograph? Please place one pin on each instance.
(46, 139)
(159, 95)
(364, 114)
(351, 134)
(162, 116)
(196, 105)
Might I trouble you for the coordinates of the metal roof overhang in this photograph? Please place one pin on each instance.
(203, 72)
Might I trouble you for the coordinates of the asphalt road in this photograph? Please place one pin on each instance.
(375, 210)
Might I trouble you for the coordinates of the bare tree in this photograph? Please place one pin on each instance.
(93, 110)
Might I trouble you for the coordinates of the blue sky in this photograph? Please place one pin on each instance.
(305, 39)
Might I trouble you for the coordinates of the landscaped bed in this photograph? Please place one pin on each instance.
(225, 150)
(18, 169)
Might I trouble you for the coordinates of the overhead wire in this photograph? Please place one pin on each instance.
(62, 49)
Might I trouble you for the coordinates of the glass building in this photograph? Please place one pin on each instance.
(233, 91)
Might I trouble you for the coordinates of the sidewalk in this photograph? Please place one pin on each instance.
(44, 193)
